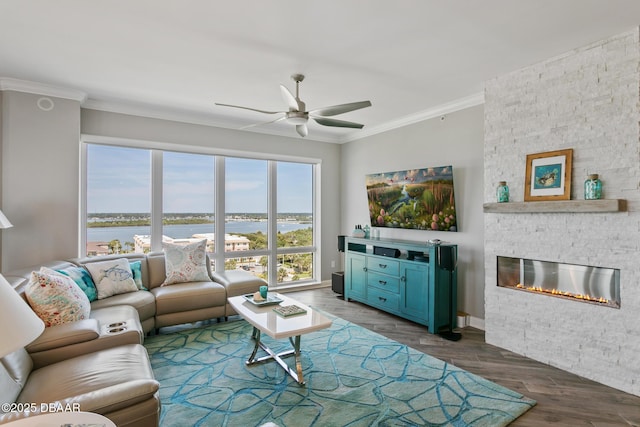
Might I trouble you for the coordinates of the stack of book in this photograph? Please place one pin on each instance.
(289, 310)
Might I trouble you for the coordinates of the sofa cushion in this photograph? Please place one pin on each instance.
(143, 301)
(237, 282)
(83, 279)
(112, 277)
(100, 382)
(188, 296)
(14, 373)
(56, 298)
(65, 334)
(185, 263)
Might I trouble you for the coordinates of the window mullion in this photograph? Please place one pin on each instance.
(156, 200)
(82, 249)
(219, 217)
(272, 215)
(317, 255)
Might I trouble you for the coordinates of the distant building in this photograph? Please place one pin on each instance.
(232, 242)
(97, 248)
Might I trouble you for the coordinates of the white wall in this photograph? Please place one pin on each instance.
(457, 140)
(107, 124)
(39, 179)
(587, 100)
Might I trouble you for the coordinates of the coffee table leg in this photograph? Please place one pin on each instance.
(271, 355)
(255, 335)
(296, 352)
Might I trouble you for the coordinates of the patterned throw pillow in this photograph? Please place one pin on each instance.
(186, 263)
(112, 277)
(136, 269)
(83, 279)
(56, 299)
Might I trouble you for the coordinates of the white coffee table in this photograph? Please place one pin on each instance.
(265, 320)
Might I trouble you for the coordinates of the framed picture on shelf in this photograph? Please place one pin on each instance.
(548, 176)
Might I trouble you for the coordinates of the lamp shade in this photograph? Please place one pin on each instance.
(19, 325)
(4, 222)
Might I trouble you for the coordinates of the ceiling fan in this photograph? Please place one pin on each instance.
(299, 116)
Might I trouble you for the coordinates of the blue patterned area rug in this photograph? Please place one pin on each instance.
(354, 377)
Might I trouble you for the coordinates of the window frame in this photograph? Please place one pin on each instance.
(219, 255)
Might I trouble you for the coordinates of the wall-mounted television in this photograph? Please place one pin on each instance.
(421, 199)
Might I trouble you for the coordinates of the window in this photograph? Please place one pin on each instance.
(295, 221)
(246, 203)
(118, 199)
(136, 198)
(188, 198)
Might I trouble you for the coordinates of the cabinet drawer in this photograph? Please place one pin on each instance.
(382, 281)
(383, 265)
(383, 300)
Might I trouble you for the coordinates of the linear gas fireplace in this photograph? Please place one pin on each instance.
(596, 285)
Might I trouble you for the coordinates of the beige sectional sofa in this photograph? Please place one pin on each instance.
(99, 362)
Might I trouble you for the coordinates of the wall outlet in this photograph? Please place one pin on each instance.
(333, 264)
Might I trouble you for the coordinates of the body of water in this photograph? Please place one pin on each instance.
(180, 231)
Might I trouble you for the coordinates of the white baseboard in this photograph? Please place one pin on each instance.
(476, 322)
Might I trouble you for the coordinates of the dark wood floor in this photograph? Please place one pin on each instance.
(564, 399)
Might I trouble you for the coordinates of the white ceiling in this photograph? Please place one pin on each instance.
(413, 59)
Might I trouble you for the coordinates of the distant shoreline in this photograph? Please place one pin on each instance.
(108, 220)
(179, 231)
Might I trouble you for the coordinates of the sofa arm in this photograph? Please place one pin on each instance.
(65, 334)
(115, 397)
(104, 401)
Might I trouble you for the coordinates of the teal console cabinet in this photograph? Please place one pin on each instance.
(410, 279)
(355, 281)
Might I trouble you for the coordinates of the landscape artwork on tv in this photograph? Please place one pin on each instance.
(421, 199)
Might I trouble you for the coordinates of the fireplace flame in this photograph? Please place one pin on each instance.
(539, 289)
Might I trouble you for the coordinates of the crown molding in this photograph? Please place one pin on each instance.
(11, 84)
(188, 117)
(201, 119)
(438, 111)
(25, 86)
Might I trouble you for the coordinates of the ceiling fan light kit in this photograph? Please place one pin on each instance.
(299, 116)
(296, 117)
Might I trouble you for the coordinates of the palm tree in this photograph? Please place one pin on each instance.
(115, 246)
(264, 262)
(130, 246)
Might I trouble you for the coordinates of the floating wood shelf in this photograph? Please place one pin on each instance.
(559, 206)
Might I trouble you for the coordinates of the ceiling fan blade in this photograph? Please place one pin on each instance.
(337, 123)
(263, 123)
(339, 109)
(291, 100)
(247, 108)
(302, 130)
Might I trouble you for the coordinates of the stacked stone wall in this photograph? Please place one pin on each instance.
(587, 100)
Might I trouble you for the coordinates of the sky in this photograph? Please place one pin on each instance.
(118, 180)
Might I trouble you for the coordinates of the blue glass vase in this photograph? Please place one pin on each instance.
(502, 192)
(592, 188)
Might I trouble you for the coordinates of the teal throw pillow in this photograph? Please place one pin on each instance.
(136, 269)
(83, 280)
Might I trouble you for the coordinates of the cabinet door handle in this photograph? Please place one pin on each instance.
(383, 299)
(364, 268)
(382, 265)
(382, 282)
(403, 279)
